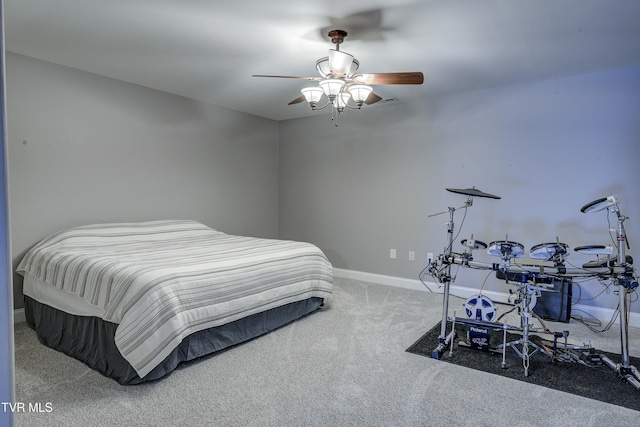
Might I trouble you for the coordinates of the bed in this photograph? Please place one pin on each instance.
(134, 300)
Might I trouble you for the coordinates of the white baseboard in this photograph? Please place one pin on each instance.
(19, 316)
(602, 314)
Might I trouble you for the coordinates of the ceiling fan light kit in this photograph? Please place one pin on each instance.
(340, 83)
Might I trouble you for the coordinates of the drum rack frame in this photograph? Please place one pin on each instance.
(621, 274)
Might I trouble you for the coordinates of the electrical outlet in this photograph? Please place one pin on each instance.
(412, 256)
(430, 257)
(392, 254)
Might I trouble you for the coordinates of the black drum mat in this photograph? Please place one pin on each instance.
(591, 380)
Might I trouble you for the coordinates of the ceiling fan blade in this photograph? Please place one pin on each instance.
(405, 78)
(288, 77)
(297, 100)
(372, 99)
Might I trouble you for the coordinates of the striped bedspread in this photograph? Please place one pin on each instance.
(160, 281)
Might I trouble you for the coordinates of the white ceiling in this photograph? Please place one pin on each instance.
(208, 50)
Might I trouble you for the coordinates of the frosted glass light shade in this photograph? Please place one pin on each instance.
(322, 65)
(341, 63)
(342, 100)
(354, 67)
(331, 87)
(325, 67)
(312, 94)
(360, 93)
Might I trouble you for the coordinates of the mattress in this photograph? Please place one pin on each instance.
(162, 281)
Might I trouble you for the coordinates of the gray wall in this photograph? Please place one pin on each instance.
(86, 149)
(546, 148)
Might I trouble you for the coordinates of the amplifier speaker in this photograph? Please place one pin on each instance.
(555, 304)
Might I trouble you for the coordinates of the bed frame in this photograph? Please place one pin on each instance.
(91, 339)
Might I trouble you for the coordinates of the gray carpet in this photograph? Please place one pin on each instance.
(343, 365)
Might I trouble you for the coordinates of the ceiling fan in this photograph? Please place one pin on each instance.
(341, 84)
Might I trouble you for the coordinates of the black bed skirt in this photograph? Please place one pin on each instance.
(91, 339)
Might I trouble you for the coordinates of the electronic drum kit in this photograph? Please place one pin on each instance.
(531, 280)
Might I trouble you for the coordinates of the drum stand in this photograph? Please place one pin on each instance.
(623, 276)
(525, 291)
(624, 282)
(445, 278)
